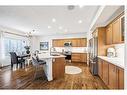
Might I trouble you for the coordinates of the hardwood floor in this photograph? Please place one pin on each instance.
(23, 79)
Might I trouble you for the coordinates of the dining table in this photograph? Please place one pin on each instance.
(22, 57)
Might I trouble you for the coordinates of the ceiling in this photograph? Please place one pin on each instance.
(107, 15)
(39, 18)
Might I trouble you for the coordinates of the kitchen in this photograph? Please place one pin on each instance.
(87, 55)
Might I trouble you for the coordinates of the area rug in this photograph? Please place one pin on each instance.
(72, 70)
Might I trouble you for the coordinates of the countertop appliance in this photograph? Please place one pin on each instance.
(111, 52)
(67, 44)
(93, 43)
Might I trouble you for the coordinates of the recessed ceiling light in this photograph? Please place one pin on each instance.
(53, 20)
(80, 21)
(49, 27)
(60, 27)
(81, 6)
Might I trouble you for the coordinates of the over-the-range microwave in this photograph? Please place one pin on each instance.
(67, 44)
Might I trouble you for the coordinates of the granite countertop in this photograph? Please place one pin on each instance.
(114, 60)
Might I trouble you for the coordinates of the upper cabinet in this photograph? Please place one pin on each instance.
(122, 28)
(115, 31)
(76, 42)
(109, 34)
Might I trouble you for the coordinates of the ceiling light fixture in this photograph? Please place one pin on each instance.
(29, 34)
(80, 21)
(49, 27)
(53, 20)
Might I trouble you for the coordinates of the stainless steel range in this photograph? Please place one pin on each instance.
(68, 55)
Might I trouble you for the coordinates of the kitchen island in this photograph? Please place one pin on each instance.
(54, 67)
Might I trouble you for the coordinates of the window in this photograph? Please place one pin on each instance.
(14, 45)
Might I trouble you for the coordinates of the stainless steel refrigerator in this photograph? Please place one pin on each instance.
(93, 49)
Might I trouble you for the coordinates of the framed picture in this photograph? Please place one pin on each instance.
(44, 45)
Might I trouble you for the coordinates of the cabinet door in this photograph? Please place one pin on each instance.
(109, 34)
(74, 42)
(122, 28)
(112, 77)
(105, 72)
(120, 73)
(83, 42)
(100, 68)
(54, 43)
(76, 57)
(83, 57)
(116, 31)
(60, 43)
(58, 69)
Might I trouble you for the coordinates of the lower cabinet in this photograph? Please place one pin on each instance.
(100, 68)
(105, 72)
(58, 69)
(79, 57)
(112, 75)
(116, 77)
(120, 73)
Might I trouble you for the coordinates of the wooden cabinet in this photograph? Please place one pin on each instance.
(116, 31)
(79, 42)
(76, 42)
(79, 57)
(116, 77)
(105, 72)
(58, 43)
(122, 28)
(76, 57)
(83, 42)
(109, 34)
(112, 77)
(83, 57)
(100, 68)
(120, 78)
(58, 69)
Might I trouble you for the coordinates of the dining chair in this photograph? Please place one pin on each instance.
(16, 60)
(37, 64)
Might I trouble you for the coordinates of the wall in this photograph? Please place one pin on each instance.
(125, 53)
(120, 50)
(36, 40)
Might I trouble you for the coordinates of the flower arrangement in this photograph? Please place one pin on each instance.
(27, 49)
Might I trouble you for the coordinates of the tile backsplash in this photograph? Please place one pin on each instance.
(72, 49)
(119, 50)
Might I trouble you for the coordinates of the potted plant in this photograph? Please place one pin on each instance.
(27, 49)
